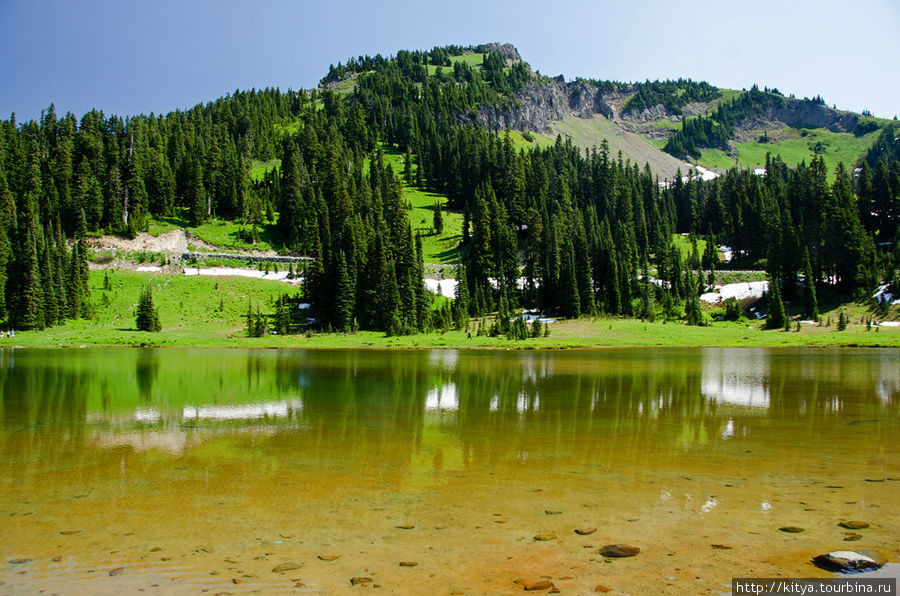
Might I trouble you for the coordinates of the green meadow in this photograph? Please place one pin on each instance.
(211, 312)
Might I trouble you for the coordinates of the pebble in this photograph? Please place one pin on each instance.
(552, 512)
(721, 547)
(360, 580)
(116, 571)
(69, 532)
(408, 563)
(405, 527)
(585, 531)
(602, 588)
(854, 525)
(328, 557)
(20, 561)
(545, 537)
(874, 479)
(791, 529)
(619, 550)
(852, 537)
(288, 566)
(541, 584)
(155, 549)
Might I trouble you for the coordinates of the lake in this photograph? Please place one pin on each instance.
(440, 472)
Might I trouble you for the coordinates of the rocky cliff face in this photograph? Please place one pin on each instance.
(805, 114)
(542, 102)
(546, 101)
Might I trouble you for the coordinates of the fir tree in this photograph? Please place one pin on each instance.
(344, 296)
(146, 316)
(775, 316)
(810, 304)
(438, 219)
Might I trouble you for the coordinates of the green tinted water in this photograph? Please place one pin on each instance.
(188, 470)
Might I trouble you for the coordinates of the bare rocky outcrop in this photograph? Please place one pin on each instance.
(507, 50)
(544, 101)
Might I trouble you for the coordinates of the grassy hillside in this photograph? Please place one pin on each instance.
(440, 248)
(588, 133)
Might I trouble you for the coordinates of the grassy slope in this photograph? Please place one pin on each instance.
(587, 133)
(190, 314)
(438, 248)
(838, 147)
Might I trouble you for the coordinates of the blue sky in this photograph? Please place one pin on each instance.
(126, 57)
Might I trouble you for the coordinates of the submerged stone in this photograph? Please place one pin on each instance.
(585, 531)
(287, 566)
(792, 529)
(545, 537)
(854, 525)
(619, 550)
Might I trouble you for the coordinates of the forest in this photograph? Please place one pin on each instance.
(565, 231)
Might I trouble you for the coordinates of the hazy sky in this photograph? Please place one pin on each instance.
(125, 57)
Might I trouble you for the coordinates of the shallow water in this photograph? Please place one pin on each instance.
(181, 471)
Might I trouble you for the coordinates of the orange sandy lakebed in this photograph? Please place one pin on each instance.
(440, 472)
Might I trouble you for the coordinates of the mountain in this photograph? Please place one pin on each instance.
(639, 119)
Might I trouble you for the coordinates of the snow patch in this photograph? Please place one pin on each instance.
(739, 291)
(236, 272)
(149, 268)
(882, 295)
(701, 173)
(442, 287)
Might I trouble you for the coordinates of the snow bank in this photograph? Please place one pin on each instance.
(149, 268)
(702, 173)
(234, 271)
(882, 295)
(442, 287)
(752, 289)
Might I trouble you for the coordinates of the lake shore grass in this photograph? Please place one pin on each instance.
(201, 311)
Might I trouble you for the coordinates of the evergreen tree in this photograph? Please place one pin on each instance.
(775, 316)
(344, 296)
(810, 304)
(146, 316)
(438, 220)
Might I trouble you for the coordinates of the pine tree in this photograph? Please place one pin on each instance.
(344, 296)
(146, 317)
(438, 220)
(810, 304)
(196, 198)
(30, 313)
(775, 317)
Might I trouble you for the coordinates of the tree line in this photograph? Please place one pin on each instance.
(567, 231)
